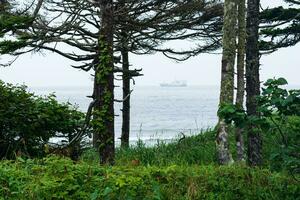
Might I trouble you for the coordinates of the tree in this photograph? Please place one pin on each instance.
(253, 82)
(103, 119)
(227, 77)
(162, 22)
(147, 24)
(127, 74)
(240, 73)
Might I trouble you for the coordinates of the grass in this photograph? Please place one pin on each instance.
(193, 150)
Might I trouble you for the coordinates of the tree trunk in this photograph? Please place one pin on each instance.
(252, 82)
(227, 77)
(103, 121)
(241, 73)
(126, 80)
(126, 102)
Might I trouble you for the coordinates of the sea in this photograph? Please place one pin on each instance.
(157, 113)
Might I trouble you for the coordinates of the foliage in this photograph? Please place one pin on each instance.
(283, 148)
(13, 23)
(281, 26)
(27, 122)
(7, 46)
(59, 178)
(279, 110)
(279, 101)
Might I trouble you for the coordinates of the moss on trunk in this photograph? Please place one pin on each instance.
(227, 77)
(241, 73)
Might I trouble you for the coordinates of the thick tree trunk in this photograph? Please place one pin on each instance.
(241, 73)
(252, 82)
(126, 102)
(227, 77)
(103, 121)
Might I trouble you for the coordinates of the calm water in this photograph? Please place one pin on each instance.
(157, 112)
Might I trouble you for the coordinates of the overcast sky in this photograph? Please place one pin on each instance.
(53, 70)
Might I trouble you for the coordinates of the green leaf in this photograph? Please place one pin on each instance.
(107, 191)
(282, 81)
(95, 194)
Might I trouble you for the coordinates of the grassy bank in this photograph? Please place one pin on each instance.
(59, 178)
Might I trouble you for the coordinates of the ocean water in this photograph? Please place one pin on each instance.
(156, 112)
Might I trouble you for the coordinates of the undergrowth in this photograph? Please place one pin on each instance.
(60, 178)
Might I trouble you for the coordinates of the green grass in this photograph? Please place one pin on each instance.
(198, 150)
(192, 150)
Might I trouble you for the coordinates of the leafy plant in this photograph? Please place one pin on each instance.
(59, 178)
(27, 121)
(279, 110)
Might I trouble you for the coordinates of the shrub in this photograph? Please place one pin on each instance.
(58, 178)
(279, 120)
(27, 121)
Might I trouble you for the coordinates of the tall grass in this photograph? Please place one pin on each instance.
(188, 151)
(196, 150)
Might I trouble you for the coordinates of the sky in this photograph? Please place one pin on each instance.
(49, 69)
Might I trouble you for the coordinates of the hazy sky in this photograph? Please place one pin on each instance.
(53, 70)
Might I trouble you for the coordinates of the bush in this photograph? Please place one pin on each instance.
(58, 178)
(283, 148)
(279, 121)
(27, 121)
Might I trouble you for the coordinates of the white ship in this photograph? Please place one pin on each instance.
(174, 84)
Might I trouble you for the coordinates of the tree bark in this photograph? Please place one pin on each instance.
(103, 117)
(126, 100)
(241, 73)
(126, 81)
(227, 77)
(253, 82)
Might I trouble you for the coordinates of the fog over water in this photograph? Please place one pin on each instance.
(157, 112)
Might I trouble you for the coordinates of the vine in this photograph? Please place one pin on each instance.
(102, 116)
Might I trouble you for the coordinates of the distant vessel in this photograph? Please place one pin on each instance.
(174, 84)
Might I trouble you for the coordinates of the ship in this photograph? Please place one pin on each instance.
(174, 84)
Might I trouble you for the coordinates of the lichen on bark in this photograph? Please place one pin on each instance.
(227, 77)
(241, 74)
